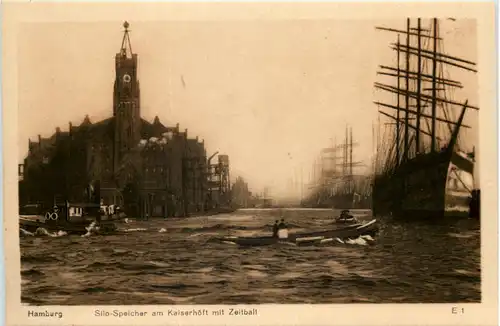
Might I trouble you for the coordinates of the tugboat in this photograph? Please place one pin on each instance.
(71, 218)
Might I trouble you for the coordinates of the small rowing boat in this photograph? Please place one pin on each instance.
(313, 237)
(349, 220)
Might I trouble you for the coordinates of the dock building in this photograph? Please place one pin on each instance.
(148, 169)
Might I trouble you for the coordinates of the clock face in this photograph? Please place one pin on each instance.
(127, 78)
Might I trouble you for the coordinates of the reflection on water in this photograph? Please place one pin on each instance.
(174, 262)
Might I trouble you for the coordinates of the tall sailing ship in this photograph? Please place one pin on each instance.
(338, 186)
(423, 170)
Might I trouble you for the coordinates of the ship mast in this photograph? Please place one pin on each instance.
(301, 184)
(350, 153)
(419, 84)
(346, 162)
(398, 131)
(418, 94)
(332, 179)
(407, 96)
(434, 67)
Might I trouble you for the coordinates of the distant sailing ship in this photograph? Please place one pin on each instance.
(340, 188)
(417, 176)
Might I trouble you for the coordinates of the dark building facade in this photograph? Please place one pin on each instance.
(148, 169)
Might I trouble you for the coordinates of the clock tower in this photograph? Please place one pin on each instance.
(126, 100)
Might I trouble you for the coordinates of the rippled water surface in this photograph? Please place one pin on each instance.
(175, 262)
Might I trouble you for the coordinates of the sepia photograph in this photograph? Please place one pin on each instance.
(207, 161)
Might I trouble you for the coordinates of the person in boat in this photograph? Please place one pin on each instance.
(275, 229)
(282, 230)
(345, 215)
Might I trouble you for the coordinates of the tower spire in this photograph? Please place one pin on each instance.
(126, 44)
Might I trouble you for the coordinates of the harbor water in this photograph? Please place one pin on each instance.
(176, 261)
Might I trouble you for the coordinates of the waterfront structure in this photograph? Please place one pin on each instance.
(148, 169)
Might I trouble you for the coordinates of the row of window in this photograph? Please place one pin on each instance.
(157, 148)
(125, 104)
(160, 169)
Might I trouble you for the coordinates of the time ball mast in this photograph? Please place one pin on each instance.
(126, 44)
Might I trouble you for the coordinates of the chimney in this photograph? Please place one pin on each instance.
(70, 127)
(186, 133)
(177, 127)
(39, 141)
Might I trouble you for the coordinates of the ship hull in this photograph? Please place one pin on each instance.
(431, 185)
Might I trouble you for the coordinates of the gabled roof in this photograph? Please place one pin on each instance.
(103, 128)
(155, 129)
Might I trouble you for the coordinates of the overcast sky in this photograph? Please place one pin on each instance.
(270, 94)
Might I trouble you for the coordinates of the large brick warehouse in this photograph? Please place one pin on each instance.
(149, 169)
